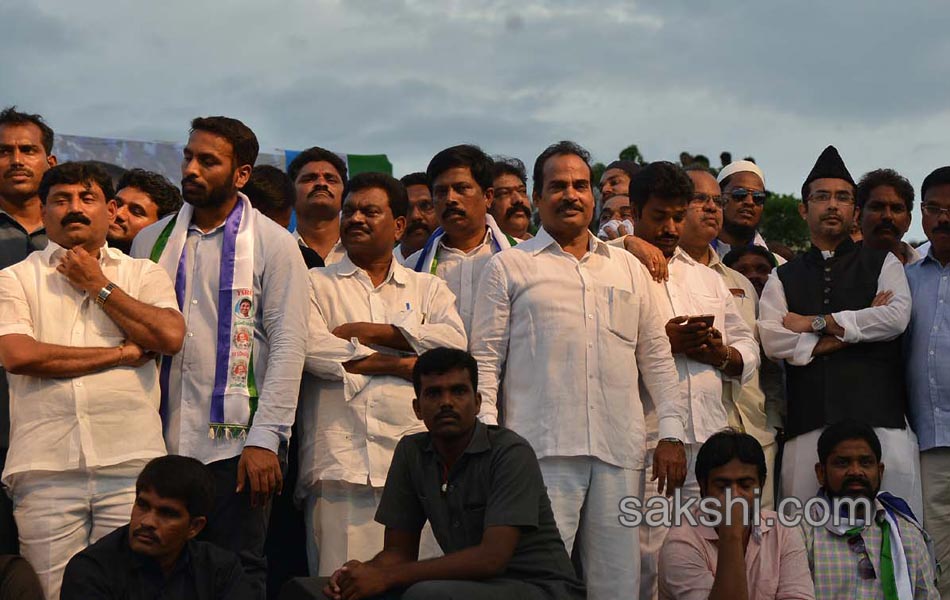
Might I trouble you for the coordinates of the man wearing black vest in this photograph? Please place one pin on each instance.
(835, 315)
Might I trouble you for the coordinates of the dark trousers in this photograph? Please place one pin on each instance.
(286, 546)
(237, 526)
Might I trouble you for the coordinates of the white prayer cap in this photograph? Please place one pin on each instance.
(740, 166)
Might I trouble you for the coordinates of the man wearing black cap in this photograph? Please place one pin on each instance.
(835, 315)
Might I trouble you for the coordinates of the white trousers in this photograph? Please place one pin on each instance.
(899, 453)
(935, 471)
(651, 537)
(341, 526)
(585, 497)
(59, 513)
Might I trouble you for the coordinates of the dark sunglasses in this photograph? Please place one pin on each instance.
(739, 194)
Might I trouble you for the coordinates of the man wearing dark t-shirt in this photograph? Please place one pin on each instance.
(480, 488)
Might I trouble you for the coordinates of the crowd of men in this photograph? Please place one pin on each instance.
(441, 387)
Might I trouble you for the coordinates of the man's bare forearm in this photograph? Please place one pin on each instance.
(156, 329)
(730, 582)
(828, 344)
(23, 355)
(474, 564)
(381, 364)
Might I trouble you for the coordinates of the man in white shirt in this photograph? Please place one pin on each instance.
(80, 324)
(420, 217)
(369, 319)
(835, 315)
(743, 191)
(511, 205)
(319, 176)
(467, 237)
(750, 411)
(708, 353)
(571, 324)
(230, 395)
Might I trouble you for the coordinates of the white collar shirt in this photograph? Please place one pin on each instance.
(572, 338)
(350, 423)
(461, 271)
(100, 419)
(280, 329)
(694, 289)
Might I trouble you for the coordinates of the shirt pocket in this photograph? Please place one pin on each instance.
(622, 313)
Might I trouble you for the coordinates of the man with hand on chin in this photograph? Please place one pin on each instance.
(369, 318)
(564, 327)
(79, 326)
(480, 488)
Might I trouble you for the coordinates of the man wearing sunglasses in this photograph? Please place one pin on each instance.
(743, 190)
(876, 553)
(835, 315)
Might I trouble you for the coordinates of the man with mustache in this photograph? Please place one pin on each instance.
(877, 549)
(481, 489)
(420, 220)
(885, 200)
(564, 326)
(26, 152)
(511, 207)
(157, 555)
(926, 349)
(708, 355)
(369, 319)
(319, 177)
(835, 315)
(141, 198)
(743, 189)
(231, 407)
(80, 324)
(461, 178)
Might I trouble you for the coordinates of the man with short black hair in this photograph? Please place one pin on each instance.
(926, 354)
(885, 201)
(564, 326)
(421, 220)
(739, 559)
(369, 318)
(319, 176)
(272, 192)
(80, 324)
(616, 178)
(881, 554)
(141, 198)
(156, 555)
(461, 181)
(480, 488)
(835, 315)
(511, 206)
(26, 152)
(755, 263)
(230, 395)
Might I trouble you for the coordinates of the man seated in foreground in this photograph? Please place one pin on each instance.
(736, 560)
(879, 555)
(480, 488)
(156, 555)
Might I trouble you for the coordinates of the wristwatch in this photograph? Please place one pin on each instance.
(818, 324)
(104, 293)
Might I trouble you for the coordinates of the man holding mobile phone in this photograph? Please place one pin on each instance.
(711, 342)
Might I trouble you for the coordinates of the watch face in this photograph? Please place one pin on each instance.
(818, 323)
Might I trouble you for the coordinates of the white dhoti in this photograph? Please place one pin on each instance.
(585, 497)
(341, 526)
(899, 453)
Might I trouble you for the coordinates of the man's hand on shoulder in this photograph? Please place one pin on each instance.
(651, 257)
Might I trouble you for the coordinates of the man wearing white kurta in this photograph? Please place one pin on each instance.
(570, 323)
(77, 321)
(370, 318)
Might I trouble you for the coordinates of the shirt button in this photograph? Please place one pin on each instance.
(827, 301)
(931, 353)
(591, 316)
(371, 438)
(194, 302)
(456, 524)
(191, 334)
(590, 344)
(79, 383)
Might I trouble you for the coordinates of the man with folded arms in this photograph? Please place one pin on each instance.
(79, 326)
(369, 318)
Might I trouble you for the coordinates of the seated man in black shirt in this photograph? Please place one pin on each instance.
(156, 556)
(480, 488)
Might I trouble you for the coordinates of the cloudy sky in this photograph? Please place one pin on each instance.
(408, 78)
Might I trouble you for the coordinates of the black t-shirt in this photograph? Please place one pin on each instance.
(496, 482)
(109, 569)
